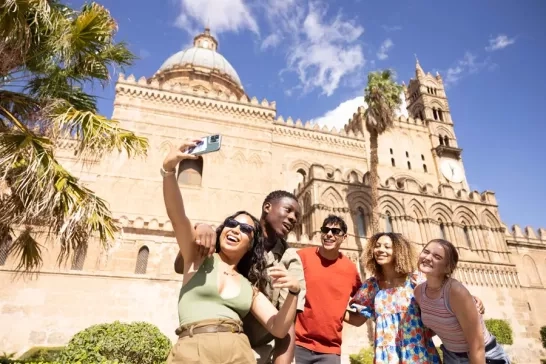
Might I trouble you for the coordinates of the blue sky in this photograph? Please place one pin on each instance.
(312, 58)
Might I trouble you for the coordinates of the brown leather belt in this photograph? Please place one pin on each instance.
(209, 329)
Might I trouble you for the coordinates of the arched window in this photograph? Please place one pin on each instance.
(388, 223)
(442, 230)
(446, 140)
(409, 165)
(422, 157)
(392, 162)
(434, 114)
(440, 115)
(361, 222)
(142, 260)
(190, 172)
(441, 140)
(79, 257)
(425, 168)
(5, 245)
(407, 154)
(301, 175)
(467, 236)
(391, 150)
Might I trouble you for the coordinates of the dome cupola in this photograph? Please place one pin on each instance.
(201, 67)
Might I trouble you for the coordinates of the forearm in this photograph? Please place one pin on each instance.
(476, 355)
(285, 317)
(354, 318)
(283, 352)
(174, 204)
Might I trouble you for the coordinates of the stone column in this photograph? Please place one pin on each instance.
(422, 231)
(452, 235)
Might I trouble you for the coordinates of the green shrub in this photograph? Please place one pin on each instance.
(42, 353)
(501, 329)
(365, 356)
(543, 336)
(128, 343)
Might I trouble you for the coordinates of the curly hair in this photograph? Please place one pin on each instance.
(253, 264)
(405, 258)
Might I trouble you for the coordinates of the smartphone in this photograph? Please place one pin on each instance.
(206, 145)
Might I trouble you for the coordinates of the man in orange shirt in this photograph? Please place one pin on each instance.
(331, 280)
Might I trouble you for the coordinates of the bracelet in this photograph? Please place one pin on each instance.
(165, 173)
(294, 293)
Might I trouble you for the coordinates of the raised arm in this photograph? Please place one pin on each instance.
(277, 322)
(463, 306)
(174, 203)
(205, 240)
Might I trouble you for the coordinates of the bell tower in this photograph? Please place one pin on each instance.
(426, 100)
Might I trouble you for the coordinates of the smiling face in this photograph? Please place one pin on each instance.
(332, 236)
(282, 215)
(435, 260)
(237, 236)
(383, 252)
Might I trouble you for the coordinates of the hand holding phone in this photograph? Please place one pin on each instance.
(208, 144)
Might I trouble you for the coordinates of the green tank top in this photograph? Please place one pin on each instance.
(199, 298)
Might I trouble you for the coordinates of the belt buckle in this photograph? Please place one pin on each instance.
(233, 329)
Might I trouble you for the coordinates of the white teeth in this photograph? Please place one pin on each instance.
(232, 238)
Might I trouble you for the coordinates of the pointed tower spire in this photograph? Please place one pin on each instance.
(418, 70)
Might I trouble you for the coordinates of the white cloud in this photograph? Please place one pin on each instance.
(271, 41)
(393, 28)
(321, 50)
(465, 66)
(219, 15)
(339, 116)
(500, 42)
(385, 47)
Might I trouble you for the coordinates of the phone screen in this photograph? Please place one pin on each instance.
(201, 146)
(206, 144)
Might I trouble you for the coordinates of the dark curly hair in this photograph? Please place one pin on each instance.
(275, 196)
(405, 259)
(253, 264)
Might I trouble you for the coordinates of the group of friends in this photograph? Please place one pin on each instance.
(247, 297)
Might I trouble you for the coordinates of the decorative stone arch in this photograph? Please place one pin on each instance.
(300, 164)
(440, 210)
(437, 104)
(463, 215)
(531, 271)
(164, 148)
(416, 209)
(331, 198)
(306, 206)
(353, 176)
(359, 199)
(390, 204)
(366, 179)
(255, 160)
(441, 130)
(489, 219)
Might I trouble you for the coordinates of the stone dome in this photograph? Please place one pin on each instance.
(201, 66)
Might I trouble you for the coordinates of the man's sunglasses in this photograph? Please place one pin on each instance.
(245, 228)
(335, 231)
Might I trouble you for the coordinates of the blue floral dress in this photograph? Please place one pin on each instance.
(400, 336)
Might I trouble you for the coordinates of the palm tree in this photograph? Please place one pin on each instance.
(382, 94)
(50, 55)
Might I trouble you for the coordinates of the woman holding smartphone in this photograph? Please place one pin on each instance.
(450, 311)
(218, 291)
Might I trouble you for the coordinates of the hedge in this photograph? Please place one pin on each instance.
(543, 336)
(365, 356)
(501, 329)
(129, 343)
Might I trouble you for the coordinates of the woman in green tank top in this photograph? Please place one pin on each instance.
(219, 291)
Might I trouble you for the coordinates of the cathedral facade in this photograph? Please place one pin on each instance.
(424, 194)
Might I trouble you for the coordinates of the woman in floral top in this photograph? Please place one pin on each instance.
(387, 298)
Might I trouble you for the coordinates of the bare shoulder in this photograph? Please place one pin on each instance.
(417, 292)
(458, 290)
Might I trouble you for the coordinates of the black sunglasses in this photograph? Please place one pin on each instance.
(335, 231)
(245, 228)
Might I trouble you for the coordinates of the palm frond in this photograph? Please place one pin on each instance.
(98, 135)
(28, 250)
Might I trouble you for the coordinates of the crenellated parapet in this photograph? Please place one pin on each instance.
(356, 123)
(526, 236)
(178, 94)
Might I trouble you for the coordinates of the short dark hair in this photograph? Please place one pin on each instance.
(277, 195)
(336, 220)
